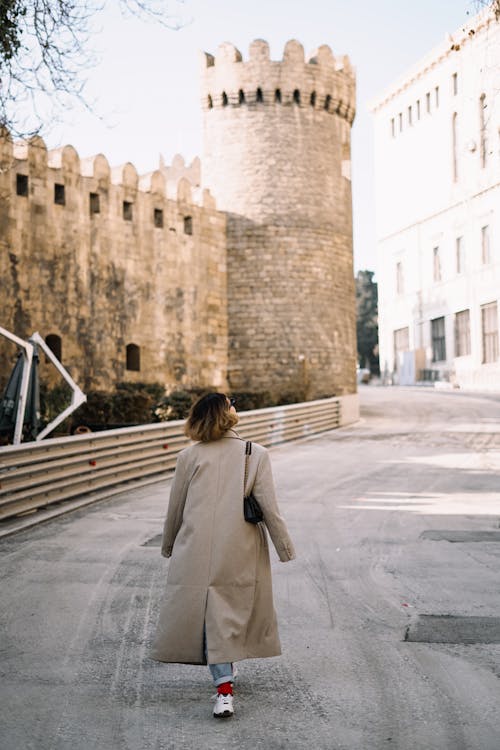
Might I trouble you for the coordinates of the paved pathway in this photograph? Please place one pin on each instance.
(370, 508)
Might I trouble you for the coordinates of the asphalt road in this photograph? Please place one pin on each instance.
(397, 526)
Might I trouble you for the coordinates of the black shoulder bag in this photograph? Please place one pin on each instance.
(252, 511)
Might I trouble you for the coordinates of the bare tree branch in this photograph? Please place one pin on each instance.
(46, 50)
(493, 4)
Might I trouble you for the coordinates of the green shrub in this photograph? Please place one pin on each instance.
(290, 397)
(176, 405)
(53, 401)
(98, 409)
(143, 403)
(129, 407)
(248, 400)
(155, 390)
(130, 403)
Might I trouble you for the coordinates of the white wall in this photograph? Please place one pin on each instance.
(421, 206)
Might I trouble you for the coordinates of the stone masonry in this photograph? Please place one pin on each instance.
(246, 282)
(101, 282)
(277, 160)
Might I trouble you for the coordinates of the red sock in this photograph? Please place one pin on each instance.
(225, 689)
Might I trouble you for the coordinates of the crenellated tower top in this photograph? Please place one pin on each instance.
(321, 82)
(276, 157)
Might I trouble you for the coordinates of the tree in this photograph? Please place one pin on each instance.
(45, 50)
(493, 4)
(367, 321)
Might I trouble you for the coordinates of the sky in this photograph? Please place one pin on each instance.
(144, 88)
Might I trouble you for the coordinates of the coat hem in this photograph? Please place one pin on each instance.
(220, 660)
(176, 661)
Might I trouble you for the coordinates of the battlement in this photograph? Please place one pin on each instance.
(139, 278)
(178, 181)
(125, 272)
(322, 82)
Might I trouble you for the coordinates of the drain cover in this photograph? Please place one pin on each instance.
(155, 541)
(461, 536)
(452, 629)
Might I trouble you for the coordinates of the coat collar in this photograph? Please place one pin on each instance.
(231, 434)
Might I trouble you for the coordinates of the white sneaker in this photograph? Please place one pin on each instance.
(223, 708)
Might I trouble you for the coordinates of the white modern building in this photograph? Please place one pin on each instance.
(437, 171)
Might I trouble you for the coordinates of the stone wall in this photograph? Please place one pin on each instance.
(100, 281)
(277, 158)
(257, 295)
(300, 338)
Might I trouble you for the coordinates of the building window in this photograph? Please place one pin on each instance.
(59, 194)
(454, 146)
(22, 184)
(54, 343)
(401, 343)
(328, 100)
(418, 109)
(277, 96)
(489, 324)
(462, 333)
(399, 278)
(259, 96)
(438, 340)
(400, 118)
(296, 96)
(313, 99)
(454, 83)
(393, 128)
(188, 225)
(210, 102)
(241, 97)
(428, 102)
(133, 357)
(158, 218)
(436, 96)
(436, 267)
(410, 115)
(128, 211)
(459, 254)
(485, 245)
(482, 130)
(94, 203)
(225, 100)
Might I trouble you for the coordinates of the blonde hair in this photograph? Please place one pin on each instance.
(209, 418)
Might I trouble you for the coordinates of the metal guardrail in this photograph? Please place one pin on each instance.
(37, 475)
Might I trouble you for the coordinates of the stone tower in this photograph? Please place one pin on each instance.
(277, 159)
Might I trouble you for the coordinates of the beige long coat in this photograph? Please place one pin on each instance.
(220, 572)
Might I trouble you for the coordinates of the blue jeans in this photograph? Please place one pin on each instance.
(220, 672)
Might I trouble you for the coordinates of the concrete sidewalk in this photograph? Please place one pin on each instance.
(367, 508)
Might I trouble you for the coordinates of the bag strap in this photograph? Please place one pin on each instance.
(248, 450)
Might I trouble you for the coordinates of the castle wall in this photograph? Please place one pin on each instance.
(257, 294)
(100, 281)
(298, 339)
(277, 159)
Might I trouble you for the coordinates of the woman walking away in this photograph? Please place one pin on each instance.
(218, 604)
